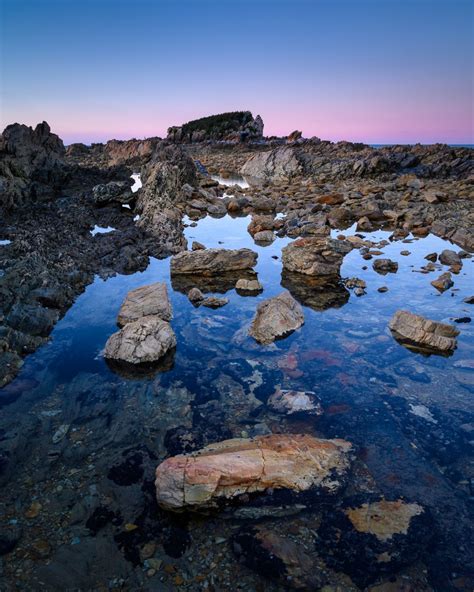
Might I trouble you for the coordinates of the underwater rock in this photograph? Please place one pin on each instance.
(373, 538)
(146, 301)
(277, 557)
(142, 341)
(424, 335)
(276, 318)
(294, 402)
(316, 256)
(212, 261)
(227, 469)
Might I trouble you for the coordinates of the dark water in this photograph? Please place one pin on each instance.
(405, 410)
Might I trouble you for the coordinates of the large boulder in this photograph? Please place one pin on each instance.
(424, 335)
(139, 342)
(315, 256)
(163, 180)
(146, 301)
(278, 164)
(213, 261)
(31, 164)
(276, 318)
(228, 469)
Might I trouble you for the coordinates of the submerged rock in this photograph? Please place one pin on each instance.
(212, 261)
(145, 301)
(294, 402)
(275, 318)
(374, 538)
(319, 293)
(145, 340)
(424, 335)
(225, 470)
(318, 256)
(276, 557)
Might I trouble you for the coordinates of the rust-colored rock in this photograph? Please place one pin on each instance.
(227, 469)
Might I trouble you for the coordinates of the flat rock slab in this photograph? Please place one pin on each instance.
(146, 301)
(319, 256)
(140, 342)
(227, 469)
(276, 318)
(213, 261)
(418, 333)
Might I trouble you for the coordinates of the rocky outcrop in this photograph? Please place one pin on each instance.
(212, 261)
(235, 126)
(31, 164)
(315, 256)
(279, 164)
(163, 179)
(143, 341)
(228, 469)
(152, 300)
(276, 318)
(424, 335)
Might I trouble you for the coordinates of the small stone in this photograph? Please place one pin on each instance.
(197, 246)
(443, 283)
(248, 285)
(33, 510)
(129, 527)
(382, 289)
(195, 295)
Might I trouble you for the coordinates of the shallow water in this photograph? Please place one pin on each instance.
(372, 388)
(101, 230)
(230, 180)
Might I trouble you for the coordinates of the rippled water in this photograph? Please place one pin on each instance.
(371, 387)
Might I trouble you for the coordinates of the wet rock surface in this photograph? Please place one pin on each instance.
(315, 256)
(212, 261)
(150, 300)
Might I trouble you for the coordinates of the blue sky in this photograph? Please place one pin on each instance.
(370, 70)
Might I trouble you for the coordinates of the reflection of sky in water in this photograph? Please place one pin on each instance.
(79, 337)
(231, 180)
(4, 242)
(101, 230)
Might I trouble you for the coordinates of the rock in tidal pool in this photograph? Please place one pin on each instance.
(295, 402)
(248, 285)
(319, 256)
(139, 342)
(370, 539)
(424, 335)
(145, 301)
(384, 266)
(228, 469)
(276, 318)
(443, 283)
(212, 261)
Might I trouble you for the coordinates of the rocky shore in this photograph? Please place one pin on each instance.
(260, 466)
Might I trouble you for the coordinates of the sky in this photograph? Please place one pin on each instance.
(375, 71)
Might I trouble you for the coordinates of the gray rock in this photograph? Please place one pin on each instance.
(424, 335)
(316, 256)
(276, 318)
(146, 301)
(248, 285)
(142, 341)
(280, 163)
(212, 261)
(115, 191)
(448, 257)
(384, 266)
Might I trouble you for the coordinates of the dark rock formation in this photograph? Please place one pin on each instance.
(31, 164)
(234, 127)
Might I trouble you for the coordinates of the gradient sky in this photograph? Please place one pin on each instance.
(377, 71)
